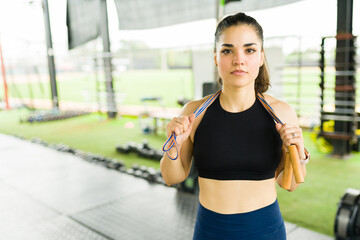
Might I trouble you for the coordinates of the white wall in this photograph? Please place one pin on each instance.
(203, 70)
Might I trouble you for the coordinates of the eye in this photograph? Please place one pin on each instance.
(250, 50)
(226, 51)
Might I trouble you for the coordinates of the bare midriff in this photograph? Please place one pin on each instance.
(236, 196)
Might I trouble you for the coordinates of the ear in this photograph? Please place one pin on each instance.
(215, 58)
(262, 58)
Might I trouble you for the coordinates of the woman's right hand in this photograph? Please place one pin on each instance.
(181, 126)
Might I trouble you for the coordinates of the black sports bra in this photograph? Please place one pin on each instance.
(237, 146)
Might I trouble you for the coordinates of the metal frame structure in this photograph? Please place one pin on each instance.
(345, 116)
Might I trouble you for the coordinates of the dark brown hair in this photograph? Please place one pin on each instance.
(262, 81)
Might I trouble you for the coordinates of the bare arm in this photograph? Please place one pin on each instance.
(176, 171)
(291, 125)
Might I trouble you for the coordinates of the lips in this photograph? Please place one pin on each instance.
(238, 72)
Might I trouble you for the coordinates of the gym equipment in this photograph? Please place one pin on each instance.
(130, 171)
(122, 169)
(51, 115)
(18, 136)
(135, 166)
(346, 118)
(292, 166)
(148, 173)
(182, 101)
(87, 156)
(90, 157)
(101, 160)
(114, 164)
(320, 142)
(78, 153)
(130, 147)
(158, 177)
(143, 168)
(347, 221)
(138, 173)
(142, 150)
(38, 141)
(64, 148)
(147, 120)
(152, 174)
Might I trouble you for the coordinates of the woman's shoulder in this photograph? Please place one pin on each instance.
(283, 110)
(274, 102)
(191, 106)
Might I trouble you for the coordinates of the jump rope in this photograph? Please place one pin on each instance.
(291, 166)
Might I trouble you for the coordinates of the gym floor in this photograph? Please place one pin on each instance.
(46, 194)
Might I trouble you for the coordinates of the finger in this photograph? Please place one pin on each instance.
(278, 126)
(177, 119)
(299, 145)
(288, 130)
(183, 121)
(283, 129)
(289, 134)
(301, 152)
(291, 137)
(188, 121)
(296, 133)
(192, 118)
(171, 127)
(175, 127)
(290, 140)
(300, 148)
(177, 131)
(181, 127)
(286, 148)
(287, 142)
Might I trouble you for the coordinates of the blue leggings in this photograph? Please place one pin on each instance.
(265, 223)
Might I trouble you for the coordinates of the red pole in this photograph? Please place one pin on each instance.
(4, 78)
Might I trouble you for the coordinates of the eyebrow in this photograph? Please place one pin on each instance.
(231, 45)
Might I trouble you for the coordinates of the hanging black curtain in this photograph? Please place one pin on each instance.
(145, 14)
(83, 16)
(83, 21)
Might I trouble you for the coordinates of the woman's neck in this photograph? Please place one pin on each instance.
(237, 100)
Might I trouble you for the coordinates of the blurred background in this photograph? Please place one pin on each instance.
(105, 77)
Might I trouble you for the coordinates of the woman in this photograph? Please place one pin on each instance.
(236, 145)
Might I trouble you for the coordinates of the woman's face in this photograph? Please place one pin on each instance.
(239, 56)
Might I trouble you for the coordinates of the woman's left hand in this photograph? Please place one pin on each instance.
(291, 134)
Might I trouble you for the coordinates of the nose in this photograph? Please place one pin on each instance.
(239, 58)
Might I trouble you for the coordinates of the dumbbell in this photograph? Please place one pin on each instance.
(38, 141)
(79, 153)
(152, 174)
(143, 153)
(145, 145)
(121, 149)
(114, 164)
(90, 157)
